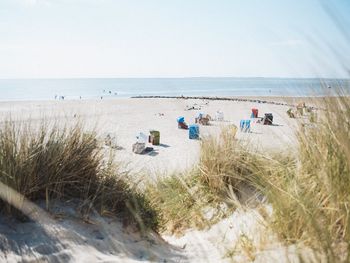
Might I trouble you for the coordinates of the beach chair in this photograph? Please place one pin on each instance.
(290, 113)
(181, 124)
(254, 113)
(268, 119)
(193, 132)
(244, 125)
(154, 137)
(199, 116)
(203, 119)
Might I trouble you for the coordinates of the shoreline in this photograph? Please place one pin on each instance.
(274, 100)
(258, 99)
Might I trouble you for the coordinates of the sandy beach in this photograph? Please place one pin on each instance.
(123, 119)
(174, 131)
(103, 239)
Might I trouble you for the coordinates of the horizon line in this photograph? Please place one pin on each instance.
(178, 77)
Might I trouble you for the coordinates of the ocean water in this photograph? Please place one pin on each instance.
(89, 88)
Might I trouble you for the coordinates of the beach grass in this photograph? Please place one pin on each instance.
(309, 190)
(51, 163)
(200, 197)
(173, 198)
(311, 195)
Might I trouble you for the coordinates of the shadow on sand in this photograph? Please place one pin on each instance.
(67, 238)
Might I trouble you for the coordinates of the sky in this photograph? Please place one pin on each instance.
(174, 38)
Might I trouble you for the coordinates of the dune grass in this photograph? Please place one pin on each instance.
(49, 163)
(180, 201)
(311, 196)
(212, 189)
(309, 191)
(200, 197)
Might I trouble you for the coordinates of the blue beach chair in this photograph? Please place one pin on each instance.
(193, 132)
(244, 125)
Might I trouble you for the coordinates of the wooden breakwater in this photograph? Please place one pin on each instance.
(215, 98)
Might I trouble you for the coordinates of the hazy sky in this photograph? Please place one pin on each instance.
(174, 38)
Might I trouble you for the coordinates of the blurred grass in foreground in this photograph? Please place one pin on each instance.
(309, 191)
(311, 195)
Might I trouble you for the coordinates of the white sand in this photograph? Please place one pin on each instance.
(62, 236)
(66, 238)
(70, 240)
(125, 118)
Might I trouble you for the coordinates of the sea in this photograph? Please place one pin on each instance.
(108, 88)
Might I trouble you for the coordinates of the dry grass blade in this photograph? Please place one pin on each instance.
(49, 163)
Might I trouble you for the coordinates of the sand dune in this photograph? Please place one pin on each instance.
(66, 238)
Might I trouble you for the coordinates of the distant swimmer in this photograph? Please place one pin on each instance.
(110, 92)
(115, 93)
(329, 87)
(101, 97)
(104, 91)
(55, 97)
